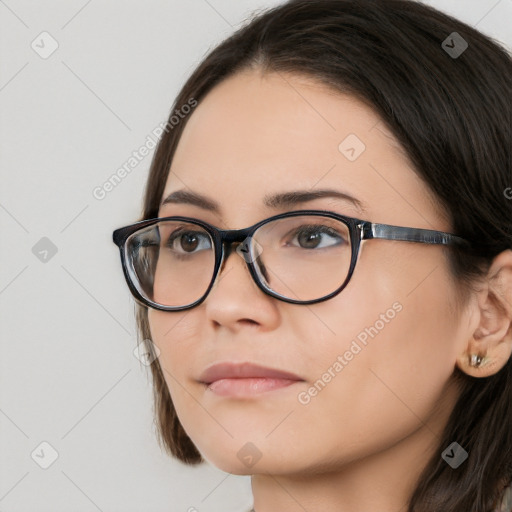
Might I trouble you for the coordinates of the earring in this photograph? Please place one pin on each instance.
(477, 360)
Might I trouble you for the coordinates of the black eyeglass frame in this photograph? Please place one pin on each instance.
(358, 229)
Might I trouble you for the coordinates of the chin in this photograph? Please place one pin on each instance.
(248, 458)
(230, 464)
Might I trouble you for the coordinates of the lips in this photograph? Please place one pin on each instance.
(244, 371)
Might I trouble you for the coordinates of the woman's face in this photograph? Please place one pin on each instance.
(383, 349)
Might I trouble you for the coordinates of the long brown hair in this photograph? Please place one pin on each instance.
(452, 114)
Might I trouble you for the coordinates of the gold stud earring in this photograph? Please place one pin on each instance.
(477, 360)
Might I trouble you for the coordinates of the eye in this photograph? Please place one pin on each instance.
(317, 237)
(187, 242)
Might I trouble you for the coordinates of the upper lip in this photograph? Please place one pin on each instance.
(242, 370)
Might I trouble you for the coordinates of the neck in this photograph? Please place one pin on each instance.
(383, 481)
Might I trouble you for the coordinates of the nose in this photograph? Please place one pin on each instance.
(230, 247)
(230, 250)
(235, 299)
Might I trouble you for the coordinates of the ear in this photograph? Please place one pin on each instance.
(490, 345)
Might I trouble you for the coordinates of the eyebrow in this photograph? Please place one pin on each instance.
(274, 201)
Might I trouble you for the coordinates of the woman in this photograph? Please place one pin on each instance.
(340, 373)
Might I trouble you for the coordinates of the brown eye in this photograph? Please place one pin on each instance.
(312, 237)
(188, 241)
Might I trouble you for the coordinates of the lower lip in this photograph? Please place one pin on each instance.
(248, 386)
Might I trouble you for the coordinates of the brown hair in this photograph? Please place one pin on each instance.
(453, 116)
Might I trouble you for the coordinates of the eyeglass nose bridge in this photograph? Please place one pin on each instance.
(232, 237)
(225, 240)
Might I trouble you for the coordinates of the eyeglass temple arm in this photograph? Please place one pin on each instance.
(385, 231)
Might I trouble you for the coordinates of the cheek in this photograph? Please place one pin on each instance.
(171, 333)
(176, 336)
(391, 346)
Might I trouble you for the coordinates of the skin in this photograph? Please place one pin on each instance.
(362, 441)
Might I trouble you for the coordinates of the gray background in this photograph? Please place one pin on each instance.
(69, 376)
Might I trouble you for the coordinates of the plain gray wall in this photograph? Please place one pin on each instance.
(68, 121)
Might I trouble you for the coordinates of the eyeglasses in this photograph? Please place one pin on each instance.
(299, 257)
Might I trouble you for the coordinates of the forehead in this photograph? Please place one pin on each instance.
(255, 134)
